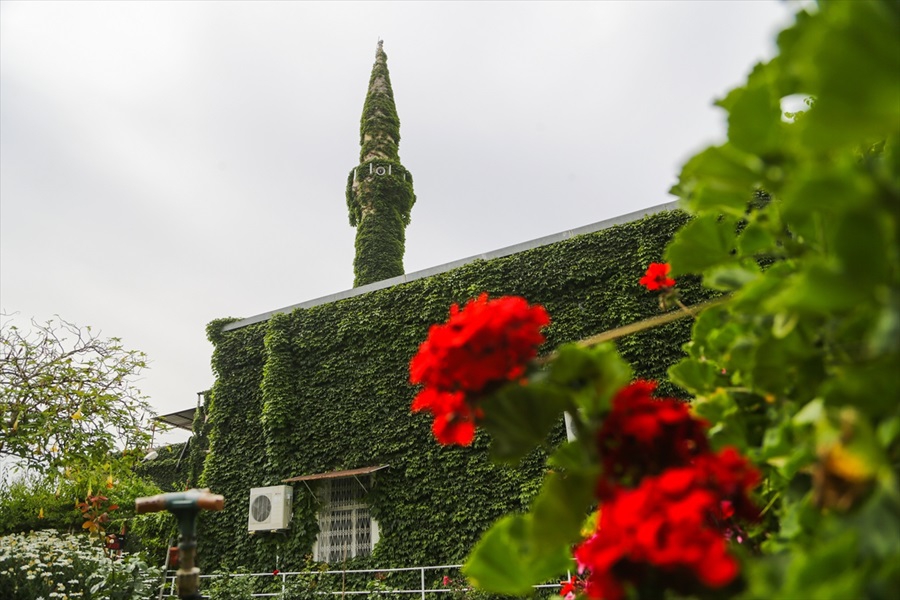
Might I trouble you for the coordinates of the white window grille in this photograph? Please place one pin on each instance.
(346, 528)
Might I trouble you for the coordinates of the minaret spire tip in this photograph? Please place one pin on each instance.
(380, 190)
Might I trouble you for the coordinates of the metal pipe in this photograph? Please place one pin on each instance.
(185, 506)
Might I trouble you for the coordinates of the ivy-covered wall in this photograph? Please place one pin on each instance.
(169, 470)
(326, 388)
(180, 465)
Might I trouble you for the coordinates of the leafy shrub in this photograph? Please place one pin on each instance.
(151, 534)
(27, 504)
(230, 586)
(47, 564)
(30, 504)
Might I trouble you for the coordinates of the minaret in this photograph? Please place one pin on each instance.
(379, 190)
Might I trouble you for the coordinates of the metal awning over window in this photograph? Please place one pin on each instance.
(183, 419)
(336, 474)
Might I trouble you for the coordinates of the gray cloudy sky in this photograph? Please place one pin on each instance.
(163, 164)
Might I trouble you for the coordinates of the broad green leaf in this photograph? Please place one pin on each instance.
(721, 179)
(826, 194)
(727, 423)
(879, 516)
(826, 571)
(756, 238)
(820, 289)
(884, 337)
(872, 388)
(754, 113)
(498, 563)
(508, 560)
(731, 277)
(705, 242)
(862, 246)
(521, 551)
(706, 325)
(810, 413)
(848, 56)
(777, 441)
(519, 418)
(889, 431)
(752, 296)
(694, 375)
(591, 375)
(561, 507)
(571, 456)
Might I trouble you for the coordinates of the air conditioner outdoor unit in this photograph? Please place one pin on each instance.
(270, 508)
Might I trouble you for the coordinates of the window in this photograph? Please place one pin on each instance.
(346, 529)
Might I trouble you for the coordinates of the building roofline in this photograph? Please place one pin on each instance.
(508, 250)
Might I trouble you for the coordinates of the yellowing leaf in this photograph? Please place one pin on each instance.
(846, 465)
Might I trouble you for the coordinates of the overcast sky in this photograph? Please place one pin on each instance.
(163, 164)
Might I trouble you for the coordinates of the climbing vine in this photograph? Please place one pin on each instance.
(380, 190)
(327, 388)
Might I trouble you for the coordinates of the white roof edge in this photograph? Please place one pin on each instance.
(535, 243)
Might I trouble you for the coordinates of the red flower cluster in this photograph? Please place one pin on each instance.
(667, 527)
(666, 500)
(570, 587)
(485, 343)
(454, 419)
(645, 435)
(657, 277)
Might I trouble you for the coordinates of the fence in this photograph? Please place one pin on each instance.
(368, 575)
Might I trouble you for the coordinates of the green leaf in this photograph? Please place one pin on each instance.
(705, 242)
(521, 551)
(731, 277)
(862, 246)
(810, 413)
(848, 56)
(754, 113)
(819, 289)
(561, 507)
(519, 418)
(694, 375)
(721, 179)
(756, 238)
(727, 423)
(591, 375)
(508, 560)
(570, 456)
(826, 570)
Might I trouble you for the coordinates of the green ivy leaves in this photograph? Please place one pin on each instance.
(799, 366)
(327, 387)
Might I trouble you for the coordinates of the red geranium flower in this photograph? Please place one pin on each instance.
(645, 436)
(486, 341)
(482, 345)
(657, 277)
(454, 420)
(570, 587)
(665, 529)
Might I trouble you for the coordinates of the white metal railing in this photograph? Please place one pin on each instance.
(169, 582)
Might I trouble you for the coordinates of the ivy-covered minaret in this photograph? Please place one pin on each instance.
(380, 190)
